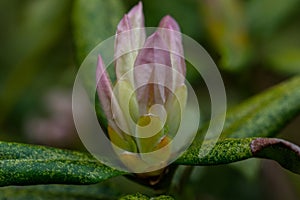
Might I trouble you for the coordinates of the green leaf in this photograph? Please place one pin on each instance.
(67, 192)
(265, 114)
(139, 196)
(261, 116)
(235, 149)
(93, 22)
(224, 151)
(22, 164)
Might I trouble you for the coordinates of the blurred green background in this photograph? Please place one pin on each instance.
(255, 43)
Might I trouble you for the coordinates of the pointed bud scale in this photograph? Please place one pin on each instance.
(171, 34)
(129, 38)
(107, 98)
(136, 16)
(174, 106)
(128, 103)
(104, 88)
(151, 67)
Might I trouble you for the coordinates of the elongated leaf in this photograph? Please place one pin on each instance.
(261, 116)
(67, 192)
(139, 196)
(236, 149)
(265, 114)
(93, 22)
(22, 164)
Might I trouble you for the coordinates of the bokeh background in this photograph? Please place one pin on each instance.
(255, 43)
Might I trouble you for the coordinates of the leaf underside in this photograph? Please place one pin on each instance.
(236, 149)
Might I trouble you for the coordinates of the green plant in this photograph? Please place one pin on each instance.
(248, 133)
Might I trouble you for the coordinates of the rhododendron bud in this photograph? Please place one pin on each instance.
(144, 107)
